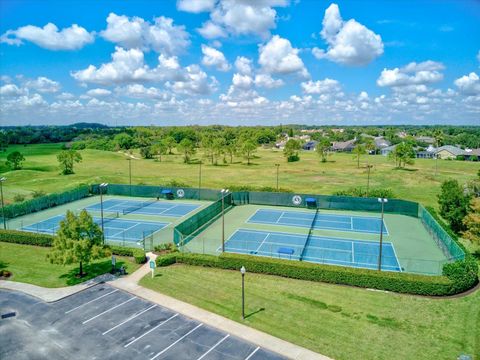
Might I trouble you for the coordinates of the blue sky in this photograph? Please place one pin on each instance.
(240, 62)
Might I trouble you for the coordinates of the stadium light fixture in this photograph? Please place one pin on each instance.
(243, 271)
(2, 179)
(383, 201)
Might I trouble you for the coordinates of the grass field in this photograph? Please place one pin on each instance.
(309, 175)
(337, 321)
(29, 264)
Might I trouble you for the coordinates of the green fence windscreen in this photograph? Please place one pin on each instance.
(188, 229)
(152, 191)
(444, 241)
(45, 202)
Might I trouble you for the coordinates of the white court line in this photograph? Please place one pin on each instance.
(351, 223)
(213, 347)
(254, 351)
(130, 318)
(106, 311)
(353, 254)
(176, 342)
(75, 308)
(281, 215)
(263, 241)
(149, 331)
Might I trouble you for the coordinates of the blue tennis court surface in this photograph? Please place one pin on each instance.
(115, 229)
(304, 219)
(323, 250)
(150, 207)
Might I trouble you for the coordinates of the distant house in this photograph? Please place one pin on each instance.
(425, 139)
(310, 146)
(449, 152)
(387, 150)
(343, 146)
(472, 154)
(280, 144)
(381, 143)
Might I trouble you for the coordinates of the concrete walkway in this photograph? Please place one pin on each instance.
(130, 284)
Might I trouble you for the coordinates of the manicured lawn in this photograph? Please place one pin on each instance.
(29, 264)
(337, 321)
(416, 183)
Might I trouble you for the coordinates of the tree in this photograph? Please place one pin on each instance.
(323, 147)
(78, 240)
(123, 141)
(471, 222)
(453, 204)
(231, 150)
(359, 150)
(248, 148)
(290, 151)
(170, 143)
(146, 152)
(187, 148)
(15, 160)
(67, 158)
(218, 148)
(159, 149)
(403, 154)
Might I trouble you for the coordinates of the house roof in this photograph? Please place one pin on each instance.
(341, 145)
(390, 148)
(381, 142)
(475, 152)
(451, 149)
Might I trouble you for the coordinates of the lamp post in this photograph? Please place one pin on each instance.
(199, 179)
(383, 201)
(243, 271)
(130, 174)
(278, 167)
(2, 179)
(368, 177)
(224, 193)
(102, 186)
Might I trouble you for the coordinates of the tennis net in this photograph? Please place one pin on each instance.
(136, 207)
(110, 216)
(312, 225)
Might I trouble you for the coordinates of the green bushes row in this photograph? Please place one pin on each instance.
(30, 238)
(456, 280)
(26, 238)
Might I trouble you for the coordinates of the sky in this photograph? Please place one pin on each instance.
(239, 62)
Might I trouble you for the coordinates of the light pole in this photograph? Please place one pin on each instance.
(383, 201)
(278, 167)
(130, 174)
(224, 193)
(199, 178)
(2, 179)
(102, 186)
(243, 271)
(368, 177)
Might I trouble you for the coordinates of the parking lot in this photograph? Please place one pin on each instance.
(103, 322)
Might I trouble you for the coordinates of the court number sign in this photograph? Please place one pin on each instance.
(297, 200)
(180, 193)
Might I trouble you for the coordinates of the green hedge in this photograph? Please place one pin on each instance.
(26, 238)
(137, 254)
(458, 280)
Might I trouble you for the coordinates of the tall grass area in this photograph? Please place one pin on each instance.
(338, 321)
(418, 182)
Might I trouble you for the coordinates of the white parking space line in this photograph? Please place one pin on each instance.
(253, 353)
(106, 311)
(213, 347)
(176, 342)
(130, 318)
(75, 308)
(149, 331)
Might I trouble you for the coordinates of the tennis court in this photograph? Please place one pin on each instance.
(317, 249)
(323, 221)
(151, 207)
(116, 229)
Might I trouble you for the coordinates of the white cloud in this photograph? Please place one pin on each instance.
(49, 37)
(266, 81)
(243, 65)
(327, 85)
(349, 42)
(98, 92)
(162, 36)
(278, 56)
(43, 85)
(139, 91)
(65, 96)
(468, 84)
(423, 73)
(195, 6)
(195, 82)
(363, 96)
(241, 17)
(11, 90)
(215, 58)
(242, 81)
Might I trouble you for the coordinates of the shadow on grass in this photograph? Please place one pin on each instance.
(405, 169)
(90, 271)
(3, 265)
(254, 312)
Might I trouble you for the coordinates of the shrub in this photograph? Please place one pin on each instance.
(38, 193)
(456, 279)
(293, 158)
(362, 192)
(18, 198)
(137, 254)
(26, 238)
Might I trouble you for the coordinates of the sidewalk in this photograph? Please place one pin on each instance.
(130, 284)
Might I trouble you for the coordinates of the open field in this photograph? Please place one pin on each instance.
(330, 319)
(29, 264)
(309, 175)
